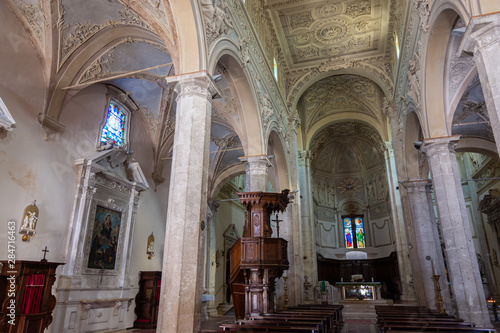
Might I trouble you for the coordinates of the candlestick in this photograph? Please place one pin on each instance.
(433, 268)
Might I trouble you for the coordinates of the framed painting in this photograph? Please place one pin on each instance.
(105, 237)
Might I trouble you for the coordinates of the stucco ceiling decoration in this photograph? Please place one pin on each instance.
(312, 31)
(344, 132)
(338, 94)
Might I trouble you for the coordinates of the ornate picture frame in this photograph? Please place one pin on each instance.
(103, 245)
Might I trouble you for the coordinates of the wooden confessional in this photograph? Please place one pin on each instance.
(256, 259)
(26, 294)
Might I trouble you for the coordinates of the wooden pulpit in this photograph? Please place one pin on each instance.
(26, 295)
(257, 259)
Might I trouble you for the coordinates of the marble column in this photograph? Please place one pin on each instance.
(180, 304)
(256, 173)
(404, 265)
(308, 241)
(292, 218)
(455, 227)
(482, 39)
(427, 245)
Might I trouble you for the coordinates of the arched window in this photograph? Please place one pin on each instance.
(354, 231)
(114, 130)
(275, 69)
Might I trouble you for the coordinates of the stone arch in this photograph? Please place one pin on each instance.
(188, 27)
(415, 162)
(224, 177)
(362, 69)
(432, 60)
(278, 173)
(80, 62)
(251, 124)
(339, 118)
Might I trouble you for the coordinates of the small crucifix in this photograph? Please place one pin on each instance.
(44, 260)
(277, 226)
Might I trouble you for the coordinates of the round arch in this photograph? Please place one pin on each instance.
(278, 174)
(414, 161)
(342, 117)
(224, 177)
(80, 61)
(188, 27)
(433, 57)
(370, 72)
(227, 57)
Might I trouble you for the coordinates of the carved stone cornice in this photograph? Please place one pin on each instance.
(482, 32)
(197, 83)
(434, 146)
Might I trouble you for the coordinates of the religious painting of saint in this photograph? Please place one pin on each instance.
(104, 242)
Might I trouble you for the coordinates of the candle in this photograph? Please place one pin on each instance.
(341, 279)
(433, 268)
(372, 278)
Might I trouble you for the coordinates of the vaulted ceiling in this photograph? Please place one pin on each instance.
(313, 31)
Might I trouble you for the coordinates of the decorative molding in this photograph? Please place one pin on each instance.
(50, 125)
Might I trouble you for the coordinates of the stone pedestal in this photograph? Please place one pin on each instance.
(180, 305)
(459, 247)
(482, 39)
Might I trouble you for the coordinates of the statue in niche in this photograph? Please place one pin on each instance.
(30, 220)
(151, 246)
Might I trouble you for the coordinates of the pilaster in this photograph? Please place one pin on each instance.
(180, 305)
(459, 247)
(482, 39)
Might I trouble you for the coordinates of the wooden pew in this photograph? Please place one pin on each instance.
(300, 319)
(419, 319)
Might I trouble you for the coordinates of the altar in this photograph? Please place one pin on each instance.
(359, 291)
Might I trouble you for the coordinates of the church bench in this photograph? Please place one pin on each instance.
(386, 323)
(269, 328)
(332, 322)
(447, 328)
(320, 324)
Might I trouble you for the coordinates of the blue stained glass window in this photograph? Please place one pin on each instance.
(114, 128)
(354, 234)
(348, 233)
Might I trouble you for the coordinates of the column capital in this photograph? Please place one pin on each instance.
(433, 146)
(256, 172)
(419, 185)
(256, 160)
(303, 156)
(482, 31)
(197, 83)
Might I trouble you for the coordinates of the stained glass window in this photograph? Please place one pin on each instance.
(354, 233)
(348, 233)
(360, 231)
(115, 126)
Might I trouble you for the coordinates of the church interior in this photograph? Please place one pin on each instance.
(147, 147)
